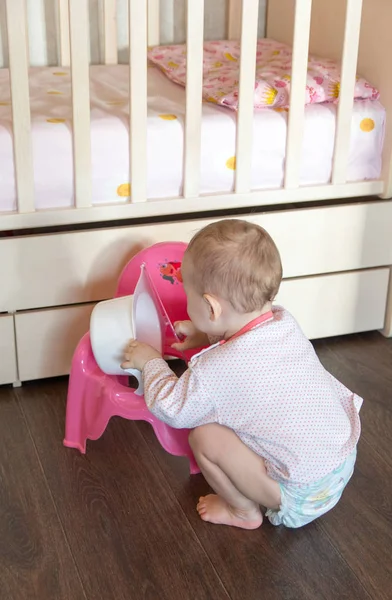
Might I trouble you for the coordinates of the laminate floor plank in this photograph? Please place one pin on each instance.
(35, 559)
(363, 363)
(360, 526)
(128, 534)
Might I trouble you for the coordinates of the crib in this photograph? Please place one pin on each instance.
(63, 247)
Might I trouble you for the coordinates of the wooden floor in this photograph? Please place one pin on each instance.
(120, 523)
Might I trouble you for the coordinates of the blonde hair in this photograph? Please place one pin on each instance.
(237, 261)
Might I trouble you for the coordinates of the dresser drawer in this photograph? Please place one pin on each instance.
(46, 339)
(8, 367)
(68, 268)
(337, 304)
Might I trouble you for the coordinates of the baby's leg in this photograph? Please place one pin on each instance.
(238, 476)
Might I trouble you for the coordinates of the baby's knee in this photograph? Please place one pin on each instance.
(199, 436)
(202, 440)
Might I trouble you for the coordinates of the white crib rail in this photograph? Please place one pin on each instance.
(19, 76)
(138, 98)
(234, 19)
(194, 82)
(79, 35)
(110, 32)
(249, 18)
(63, 18)
(347, 86)
(153, 22)
(296, 117)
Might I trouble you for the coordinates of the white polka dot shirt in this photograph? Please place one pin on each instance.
(269, 387)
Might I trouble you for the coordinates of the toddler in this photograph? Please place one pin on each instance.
(270, 426)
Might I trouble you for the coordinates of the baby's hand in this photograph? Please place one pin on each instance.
(193, 337)
(137, 355)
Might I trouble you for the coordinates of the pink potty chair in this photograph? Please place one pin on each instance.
(94, 397)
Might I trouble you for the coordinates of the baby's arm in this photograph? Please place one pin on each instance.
(181, 402)
(193, 337)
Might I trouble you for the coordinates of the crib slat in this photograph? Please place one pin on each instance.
(250, 10)
(153, 22)
(296, 117)
(110, 31)
(79, 21)
(194, 82)
(65, 52)
(138, 98)
(19, 76)
(234, 20)
(347, 86)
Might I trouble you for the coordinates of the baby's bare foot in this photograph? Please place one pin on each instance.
(214, 509)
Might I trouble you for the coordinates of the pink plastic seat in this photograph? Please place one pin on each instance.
(94, 397)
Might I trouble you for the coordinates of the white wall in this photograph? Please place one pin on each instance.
(43, 37)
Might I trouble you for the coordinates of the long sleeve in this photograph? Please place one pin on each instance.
(181, 402)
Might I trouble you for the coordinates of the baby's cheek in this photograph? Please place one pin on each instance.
(192, 313)
(191, 310)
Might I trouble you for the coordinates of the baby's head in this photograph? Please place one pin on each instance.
(231, 269)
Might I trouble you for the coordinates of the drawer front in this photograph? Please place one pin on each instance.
(69, 268)
(8, 368)
(46, 340)
(337, 304)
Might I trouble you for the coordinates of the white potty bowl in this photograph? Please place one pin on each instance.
(114, 322)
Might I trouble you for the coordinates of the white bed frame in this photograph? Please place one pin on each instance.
(55, 264)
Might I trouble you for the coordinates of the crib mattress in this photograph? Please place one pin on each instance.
(51, 114)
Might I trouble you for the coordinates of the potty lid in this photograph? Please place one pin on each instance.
(150, 320)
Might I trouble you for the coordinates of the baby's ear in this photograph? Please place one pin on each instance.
(214, 306)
